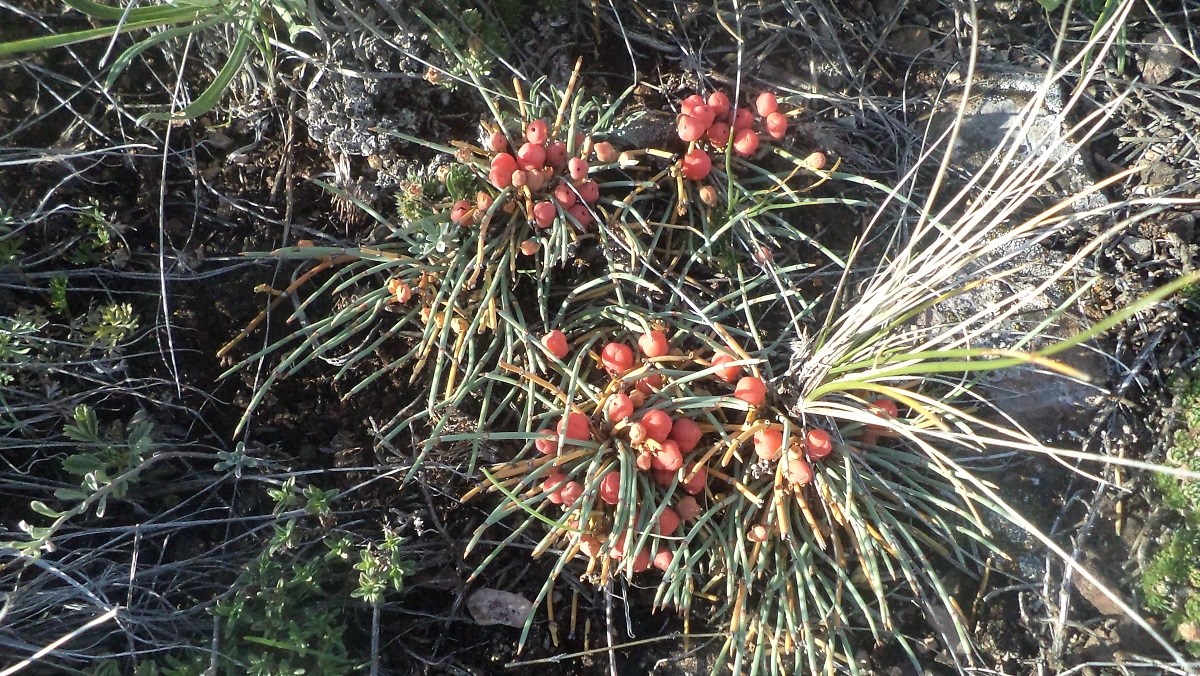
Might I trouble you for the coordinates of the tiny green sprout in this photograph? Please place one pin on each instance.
(318, 501)
(237, 460)
(285, 497)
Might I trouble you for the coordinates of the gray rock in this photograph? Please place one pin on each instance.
(1160, 59)
(995, 108)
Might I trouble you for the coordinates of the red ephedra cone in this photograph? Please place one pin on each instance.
(503, 166)
(729, 373)
(616, 357)
(544, 214)
(718, 134)
(818, 444)
(719, 103)
(798, 472)
(589, 190)
(745, 142)
(689, 128)
(766, 104)
(578, 168)
(531, 156)
(658, 425)
(668, 521)
(777, 125)
(696, 165)
(556, 343)
(751, 390)
(610, 487)
(619, 407)
(537, 132)
(767, 443)
(686, 433)
(669, 458)
(576, 427)
(653, 344)
(698, 481)
(688, 509)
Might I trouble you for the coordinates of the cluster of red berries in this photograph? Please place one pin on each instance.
(666, 446)
(714, 122)
(544, 172)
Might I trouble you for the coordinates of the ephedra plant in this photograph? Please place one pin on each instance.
(689, 402)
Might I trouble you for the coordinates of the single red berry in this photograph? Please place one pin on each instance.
(556, 343)
(798, 472)
(719, 103)
(728, 373)
(750, 390)
(777, 125)
(658, 424)
(503, 166)
(610, 488)
(704, 114)
(570, 492)
(766, 104)
(689, 104)
(589, 190)
(653, 344)
(556, 154)
(687, 508)
(576, 427)
(663, 559)
(743, 119)
(696, 165)
(578, 167)
(767, 443)
(537, 132)
(535, 179)
(605, 152)
(689, 128)
(650, 384)
(641, 561)
(519, 178)
(564, 195)
(745, 142)
(686, 433)
(617, 551)
(718, 134)
(544, 214)
(461, 214)
(616, 357)
(497, 143)
(669, 458)
(546, 445)
(668, 521)
(885, 407)
(698, 481)
(531, 156)
(581, 214)
(818, 444)
(504, 162)
(662, 477)
(619, 407)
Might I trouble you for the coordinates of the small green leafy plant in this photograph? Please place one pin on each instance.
(1171, 581)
